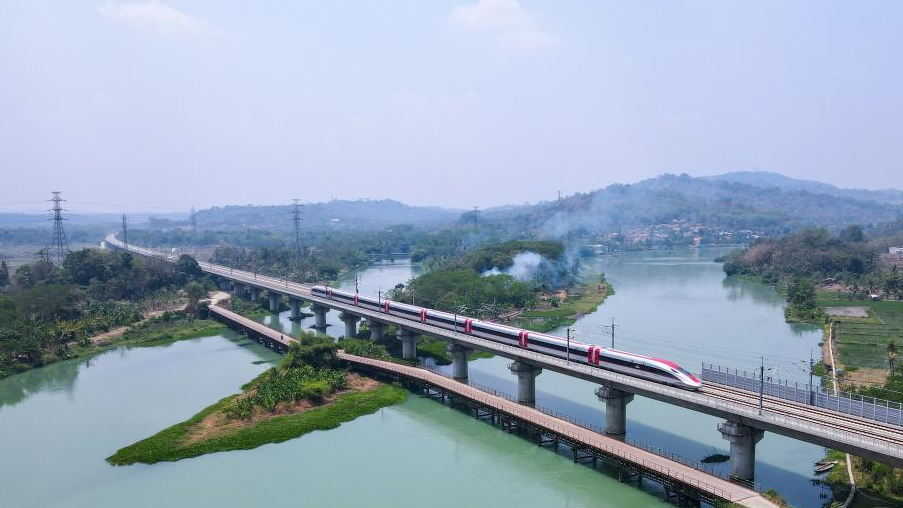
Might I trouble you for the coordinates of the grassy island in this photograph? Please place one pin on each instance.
(308, 391)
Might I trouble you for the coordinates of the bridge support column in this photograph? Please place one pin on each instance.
(376, 328)
(743, 439)
(255, 294)
(295, 304)
(320, 313)
(274, 303)
(350, 324)
(225, 285)
(237, 289)
(408, 343)
(526, 381)
(615, 409)
(459, 356)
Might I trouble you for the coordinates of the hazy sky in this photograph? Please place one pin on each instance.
(170, 104)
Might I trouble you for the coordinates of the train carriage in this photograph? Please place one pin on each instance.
(645, 367)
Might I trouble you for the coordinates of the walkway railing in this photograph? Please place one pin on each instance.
(523, 413)
(699, 466)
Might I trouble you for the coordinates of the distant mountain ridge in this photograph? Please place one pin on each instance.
(344, 214)
(769, 179)
(710, 201)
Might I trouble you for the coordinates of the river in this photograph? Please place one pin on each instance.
(58, 423)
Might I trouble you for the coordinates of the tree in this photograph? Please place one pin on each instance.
(4, 274)
(24, 276)
(188, 269)
(195, 291)
(852, 234)
(891, 352)
(801, 297)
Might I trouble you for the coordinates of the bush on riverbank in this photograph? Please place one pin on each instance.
(302, 394)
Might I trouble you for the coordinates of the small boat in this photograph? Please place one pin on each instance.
(824, 468)
(826, 462)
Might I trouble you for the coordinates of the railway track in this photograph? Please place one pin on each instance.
(813, 414)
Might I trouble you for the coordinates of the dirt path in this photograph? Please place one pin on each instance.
(102, 338)
(832, 335)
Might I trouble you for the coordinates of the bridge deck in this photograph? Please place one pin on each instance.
(700, 480)
(852, 434)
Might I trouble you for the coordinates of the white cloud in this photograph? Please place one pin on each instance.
(506, 19)
(156, 17)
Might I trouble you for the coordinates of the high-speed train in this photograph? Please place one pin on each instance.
(653, 369)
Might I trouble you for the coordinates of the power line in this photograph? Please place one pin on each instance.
(60, 243)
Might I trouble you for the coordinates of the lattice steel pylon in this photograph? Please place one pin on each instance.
(60, 243)
(296, 219)
(125, 230)
(193, 225)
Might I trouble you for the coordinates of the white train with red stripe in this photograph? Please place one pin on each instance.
(654, 369)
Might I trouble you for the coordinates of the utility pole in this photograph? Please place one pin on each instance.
(296, 220)
(568, 350)
(60, 243)
(612, 333)
(356, 281)
(811, 369)
(761, 383)
(125, 230)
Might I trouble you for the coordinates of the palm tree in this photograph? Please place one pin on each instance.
(891, 353)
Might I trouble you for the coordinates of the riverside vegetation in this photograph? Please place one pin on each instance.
(866, 347)
(49, 312)
(537, 280)
(309, 390)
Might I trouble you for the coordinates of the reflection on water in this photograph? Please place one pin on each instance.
(61, 378)
(63, 420)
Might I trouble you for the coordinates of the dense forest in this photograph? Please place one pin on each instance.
(45, 308)
(850, 258)
(321, 256)
(717, 204)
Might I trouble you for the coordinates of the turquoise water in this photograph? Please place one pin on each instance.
(58, 423)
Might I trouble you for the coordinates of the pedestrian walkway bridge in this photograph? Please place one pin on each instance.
(678, 479)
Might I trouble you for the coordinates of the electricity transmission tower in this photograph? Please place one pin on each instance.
(193, 224)
(125, 230)
(296, 219)
(60, 244)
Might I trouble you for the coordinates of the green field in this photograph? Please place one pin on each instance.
(861, 342)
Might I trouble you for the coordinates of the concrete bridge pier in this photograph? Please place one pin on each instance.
(459, 356)
(526, 381)
(255, 294)
(408, 343)
(295, 304)
(376, 328)
(615, 409)
(350, 324)
(274, 302)
(225, 285)
(320, 316)
(743, 439)
(237, 289)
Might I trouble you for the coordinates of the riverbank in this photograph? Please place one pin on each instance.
(569, 306)
(856, 343)
(214, 429)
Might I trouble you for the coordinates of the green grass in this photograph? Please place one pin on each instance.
(165, 445)
(581, 301)
(158, 331)
(861, 342)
